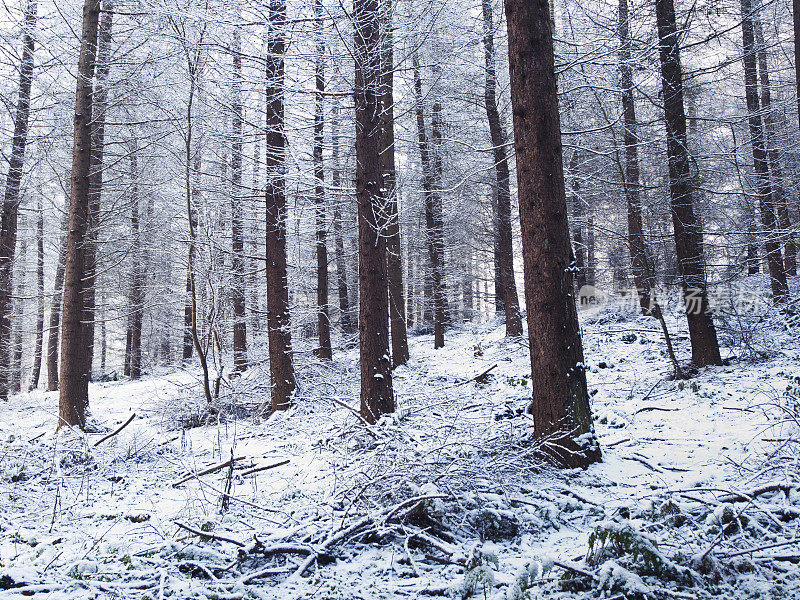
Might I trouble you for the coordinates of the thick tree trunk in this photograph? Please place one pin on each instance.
(773, 150)
(74, 384)
(138, 268)
(237, 227)
(324, 351)
(278, 321)
(377, 397)
(766, 200)
(687, 231)
(11, 199)
(39, 340)
(498, 136)
(636, 243)
(433, 221)
(560, 403)
(394, 249)
(99, 108)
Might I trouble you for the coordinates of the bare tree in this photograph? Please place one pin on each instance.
(323, 312)
(394, 248)
(238, 299)
(766, 200)
(377, 396)
(38, 344)
(686, 227)
(560, 402)
(12, 198)
(281, 367)
(74, 384)
(505, 247)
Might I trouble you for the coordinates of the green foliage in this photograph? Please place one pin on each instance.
(611, 541)
(478, 573)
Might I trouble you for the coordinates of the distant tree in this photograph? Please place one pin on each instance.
(323, 311)
(505, 247)
(12, 198)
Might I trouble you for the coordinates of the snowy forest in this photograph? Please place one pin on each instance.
(388, 299)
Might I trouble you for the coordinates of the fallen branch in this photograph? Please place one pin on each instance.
(759, 548)
(210, 536)
(113, 433)
(208, 471)
(749, 495)
(265, 468)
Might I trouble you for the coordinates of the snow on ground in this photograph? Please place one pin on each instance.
(80, 520)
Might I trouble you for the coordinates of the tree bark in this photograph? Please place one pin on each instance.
(394, 249)
(560, 402)
(498, 136)
(237, 240)
(278, 320)
(11, 199)
(39, 340)
(433, 221)
(636, 243)
(377, 397)
(687, 231)
(99, 108)
(766, 199)
(73, 384)
(324, 351)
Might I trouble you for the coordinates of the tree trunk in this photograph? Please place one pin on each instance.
(433, 220)
(687, 231)
(19, 312)
(394, 249)
(99, 108)
(578, 217)
(345, 315)
(636, 244)
(773, 150)
(377, 397)
(74, 384)
(53, 328)
(498, 135)
(237, 240)
(323, 312)
(138, 268)
(37, 346)
(11, 200)
(278, 321)
(766, 200)
(560, 403)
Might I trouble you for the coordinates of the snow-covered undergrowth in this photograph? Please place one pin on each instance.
(698, 495)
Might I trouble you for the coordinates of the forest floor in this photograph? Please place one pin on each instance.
(698, 494)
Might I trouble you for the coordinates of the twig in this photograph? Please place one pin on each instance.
(210, 536)
(573, 569)
(207, 471)
(759, 548)
(113, 433)
(259, 469)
